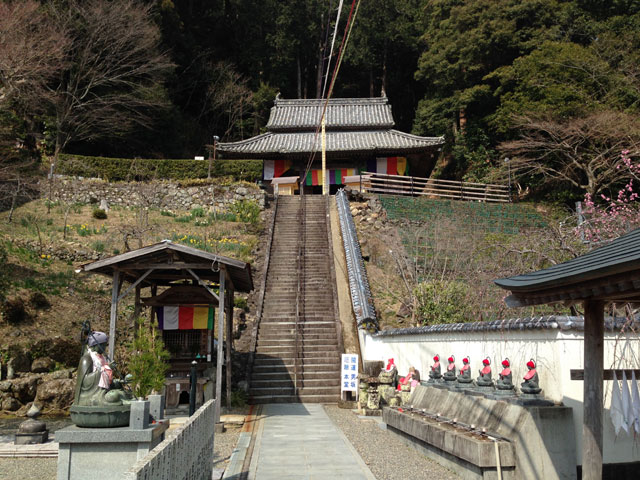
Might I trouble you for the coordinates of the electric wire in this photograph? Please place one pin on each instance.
(345, 38)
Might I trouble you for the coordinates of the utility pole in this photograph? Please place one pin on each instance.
(212, 159)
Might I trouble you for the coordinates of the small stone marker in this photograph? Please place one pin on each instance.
(31, 431)
(104, 205)
(139, 419)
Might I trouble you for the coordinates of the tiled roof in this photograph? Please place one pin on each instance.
(551, 322)
(353, 125)
(342, 113)
(372, 141)
(620, 256)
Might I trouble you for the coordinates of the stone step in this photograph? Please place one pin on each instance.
(277, 365)
(332, 390)
(261, 399)
(288, 383)
(265, 376)
(305, 341)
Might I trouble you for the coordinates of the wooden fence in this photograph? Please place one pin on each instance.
(429, 187)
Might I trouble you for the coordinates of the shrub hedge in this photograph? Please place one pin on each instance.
(123, 169)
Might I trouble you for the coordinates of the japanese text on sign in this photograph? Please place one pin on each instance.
(349, 373)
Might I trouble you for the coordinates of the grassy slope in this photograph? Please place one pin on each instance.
(463, 242)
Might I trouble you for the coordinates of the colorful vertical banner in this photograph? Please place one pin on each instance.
(402, 165)
(268, 169)
(336, 176)
(280, 166)
(184, 317)
(275, 168)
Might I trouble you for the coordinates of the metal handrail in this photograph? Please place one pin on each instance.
(299, 290)
(361, 297)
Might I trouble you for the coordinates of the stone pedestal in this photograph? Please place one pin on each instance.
(104, 453)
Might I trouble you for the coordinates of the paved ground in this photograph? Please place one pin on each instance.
(299, 441)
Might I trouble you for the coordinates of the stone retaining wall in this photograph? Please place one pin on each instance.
(166, 195)
(187, 455)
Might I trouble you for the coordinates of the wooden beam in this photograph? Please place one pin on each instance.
(205, 286)
(229, 343)
(221, 306)
(115, 289)
(593, 366)
(577, 374)
(168, 266)
(135, 284)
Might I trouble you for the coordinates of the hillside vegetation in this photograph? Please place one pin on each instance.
(45, 299)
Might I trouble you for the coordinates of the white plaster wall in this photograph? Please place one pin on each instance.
(555, 351)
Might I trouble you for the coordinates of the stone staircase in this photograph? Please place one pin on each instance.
(303, 367)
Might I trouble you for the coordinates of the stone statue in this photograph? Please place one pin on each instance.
(434, 374)
(505, 381)
(465, 372)
(484, 380)
(531, 383)
(100, 400)
(450, 374)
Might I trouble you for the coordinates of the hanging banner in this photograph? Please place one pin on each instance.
(381, 165)
(402, 166)
(184, 317)
(269, 167)
(280, 167)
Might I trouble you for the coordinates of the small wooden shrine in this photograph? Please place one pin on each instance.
(185, 286)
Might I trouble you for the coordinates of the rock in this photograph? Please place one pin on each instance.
(241, 191)
(32, 426)
(56, 393)
(20, 363)
(34, 411)
(386, 392)
(42, 365)
(60, 374)
(10, 372)
(10, 404)
(5, 386)
(104, 205)
(25, 388)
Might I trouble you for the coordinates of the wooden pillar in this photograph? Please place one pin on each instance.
(593, 381)
(221, 306)
(137, 308)
(115, 289)
(229, 335)
(153, 314)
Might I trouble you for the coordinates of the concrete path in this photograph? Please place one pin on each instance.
(299, 441)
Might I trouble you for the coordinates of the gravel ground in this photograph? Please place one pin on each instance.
(224, 443)
(28, 468)
(387, 456)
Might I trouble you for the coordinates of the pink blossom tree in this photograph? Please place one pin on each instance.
(609, 217)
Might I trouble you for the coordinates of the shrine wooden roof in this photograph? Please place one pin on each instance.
(169, 262)
(611, 272)
(353, 125)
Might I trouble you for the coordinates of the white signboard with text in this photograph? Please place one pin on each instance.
(349, 373)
